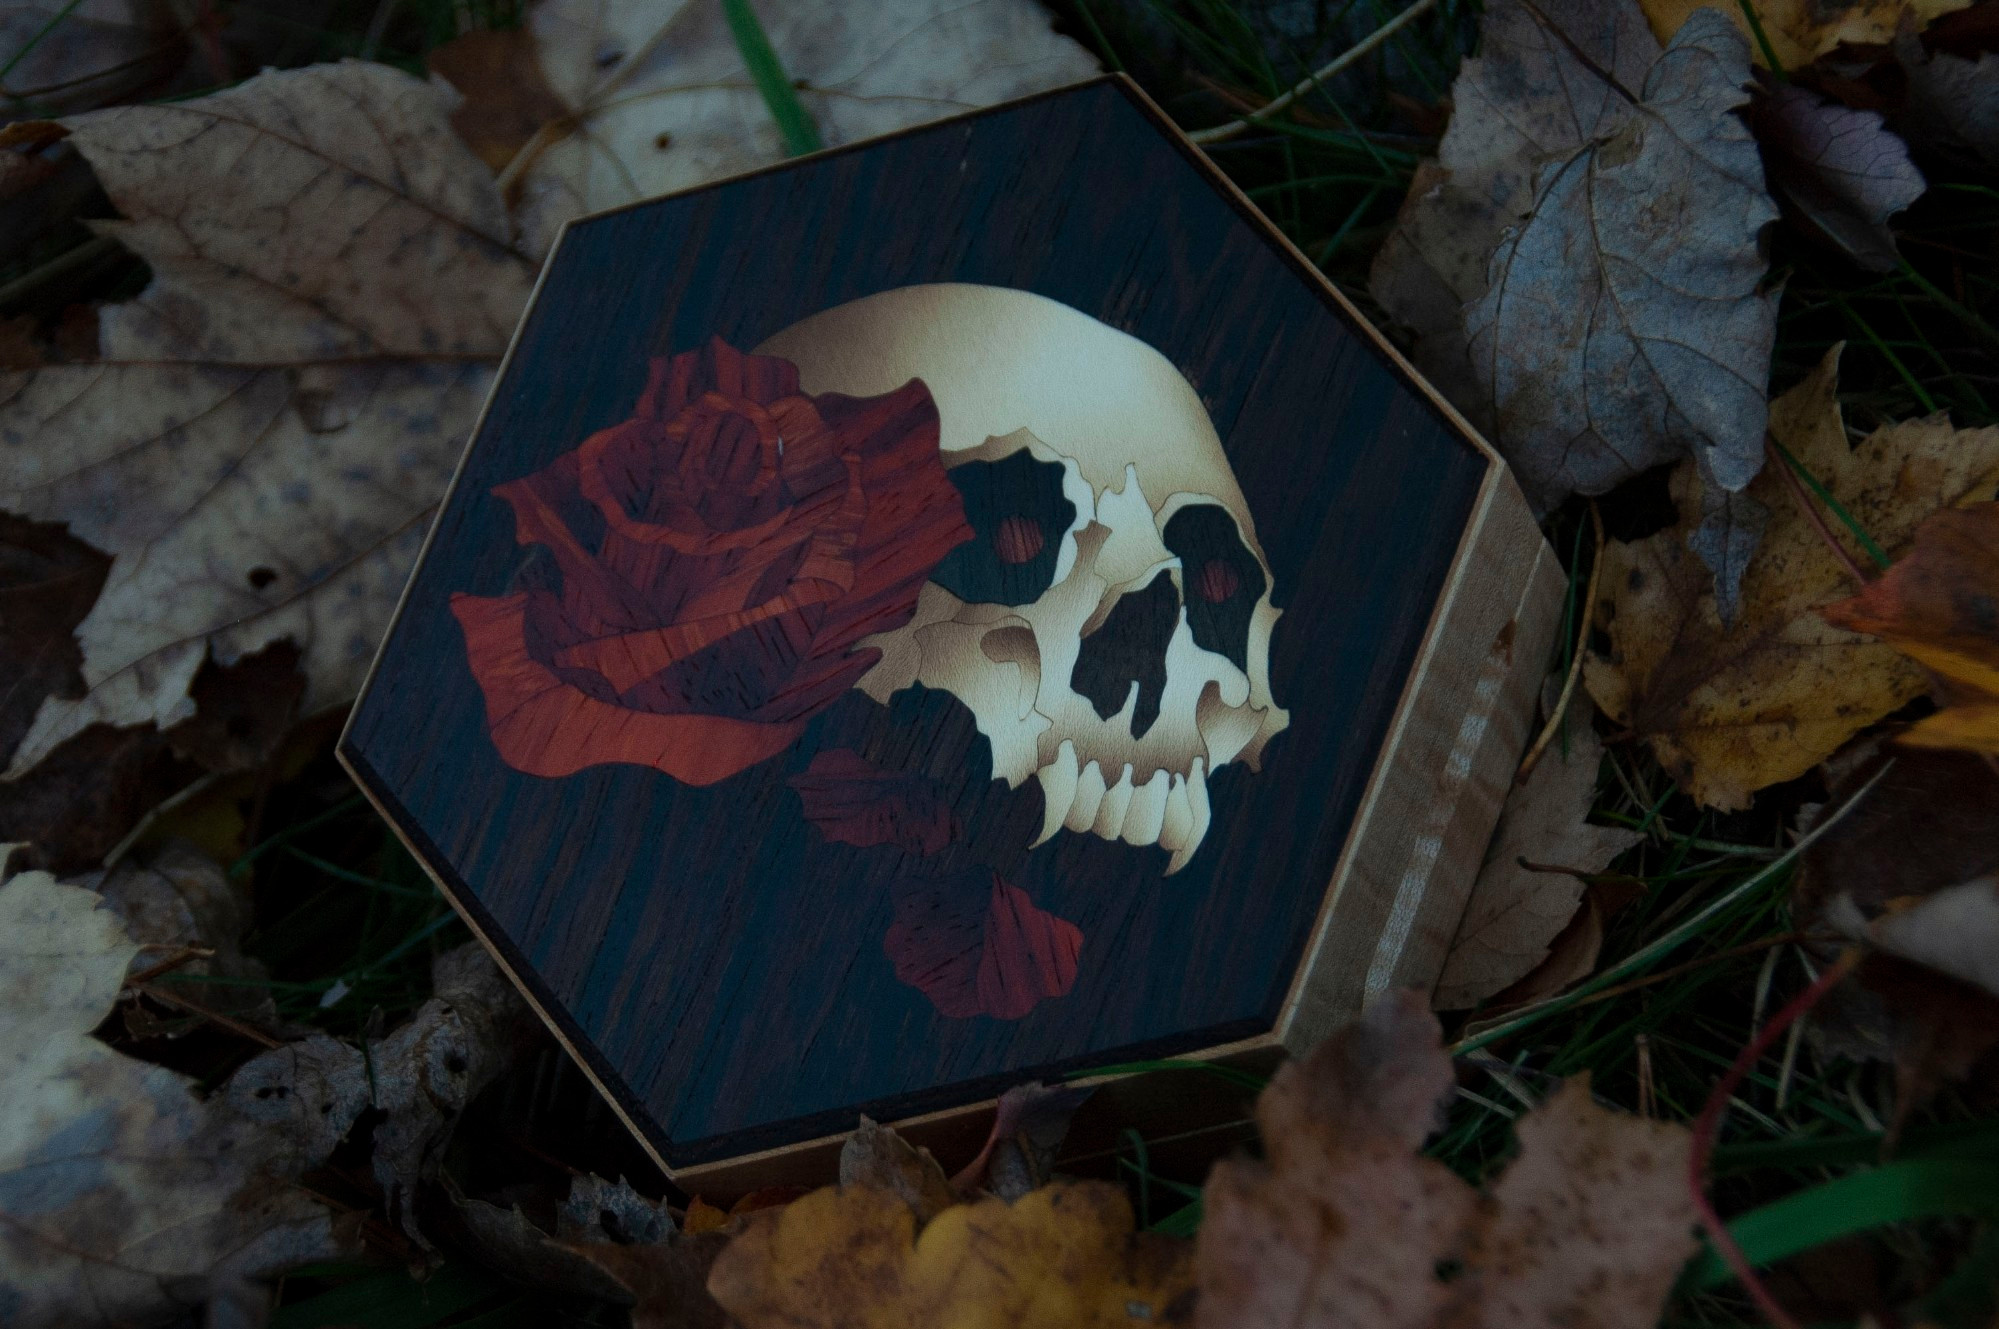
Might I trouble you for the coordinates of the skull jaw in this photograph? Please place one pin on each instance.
(1010, 667)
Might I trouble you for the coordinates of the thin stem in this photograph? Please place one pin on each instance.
(1644, 955)
(1585, 618)
(1359, 49)
(230, 1023)
(1812, 514)
(1708, 1126)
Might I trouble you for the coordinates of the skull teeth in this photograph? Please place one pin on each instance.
(1166, 809)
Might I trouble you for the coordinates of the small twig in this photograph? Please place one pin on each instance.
(1357, 51)
(1707, 1127)
(124, 846)
(378, 28)
(230, 1023)
(1643, 1045)
(1812, 514)
(183, 955)
(1583, 621)
(1688, 966)
(57, 268)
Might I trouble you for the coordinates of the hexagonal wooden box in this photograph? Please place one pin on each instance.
(967, 607)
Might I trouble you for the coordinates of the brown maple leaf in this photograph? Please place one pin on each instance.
(1346, 1224)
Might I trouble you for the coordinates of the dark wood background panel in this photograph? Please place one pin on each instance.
(722, 961)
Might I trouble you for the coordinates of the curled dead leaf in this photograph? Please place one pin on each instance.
(1840, 172)
(1516, 911)
(1950, 100)
(271, 419)
(1595, 203)
(875, 1156)
(127, 1197)
(1732, 709)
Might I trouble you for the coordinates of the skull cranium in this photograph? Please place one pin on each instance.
(1109, 628)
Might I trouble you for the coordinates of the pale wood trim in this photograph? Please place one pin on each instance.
(1421, 833)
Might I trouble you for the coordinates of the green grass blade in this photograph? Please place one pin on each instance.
(1918, 1188)
(1763, 41)
(1182, 1222)
(390, 1299)
(1847, 519)
(793, 120)
(36, 40)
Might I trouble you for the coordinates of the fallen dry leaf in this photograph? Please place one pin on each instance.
(1580, 267)
(1732, 710)
(705, 1217)
(595, 1212)
(1572, 956)
(1800, 31)
(1839, 170)
(1908, 873)
(1950, 99)
(876, 1157)
(180, 905)
(1593, 1220)
(127, 1198)
(1515, 912)
(1527, 97)
(272, 418)
(1346, 1224)
(80, 801)
(659, 99)
(666, 1281)
(48, 581)
(1062, 1257)
(1937, 606)
(1623, 324)
(425, 1072)
(418, 1078)
(506, 101)
(1030, 1121)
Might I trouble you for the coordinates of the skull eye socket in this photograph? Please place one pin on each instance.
(1018, 517)
(1223, 579)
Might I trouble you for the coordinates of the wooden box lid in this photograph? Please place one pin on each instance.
(967, 607)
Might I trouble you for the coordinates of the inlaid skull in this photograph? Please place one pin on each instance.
(1109, 625)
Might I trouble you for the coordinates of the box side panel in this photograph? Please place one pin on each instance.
(1428, 816)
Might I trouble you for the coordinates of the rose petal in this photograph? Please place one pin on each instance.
(981, 952)
(853, 801)
(676, 381)
(544, 726)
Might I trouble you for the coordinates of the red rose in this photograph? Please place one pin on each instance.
(721, 553)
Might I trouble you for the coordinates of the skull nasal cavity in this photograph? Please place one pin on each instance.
(1129, 648)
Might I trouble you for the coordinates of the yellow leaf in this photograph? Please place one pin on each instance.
(1062, 1257)
(1731, 710)
(1973, 727)
(1800, 31)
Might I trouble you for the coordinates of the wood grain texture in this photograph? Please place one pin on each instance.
(1422, 833)
(714, 957)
